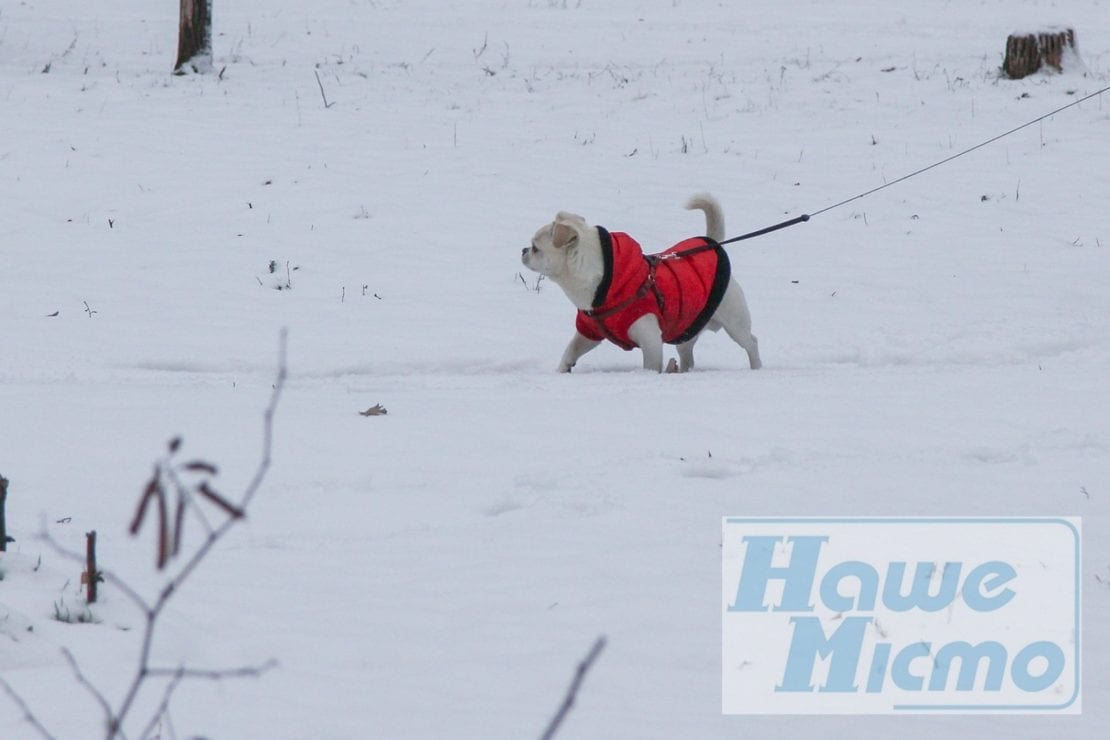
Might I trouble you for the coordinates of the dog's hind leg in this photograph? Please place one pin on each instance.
(686, 355)
(748, 341)
(733, 316)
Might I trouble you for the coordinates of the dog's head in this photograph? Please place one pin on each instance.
(555, 245)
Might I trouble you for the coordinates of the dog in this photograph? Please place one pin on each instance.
(638, 300)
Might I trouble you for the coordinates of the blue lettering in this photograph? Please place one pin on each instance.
(988, 577)
(868, 586)
(1019, 671)
(900, 672)
(798, 575)
(970, 656)
(878, 668)
(919, 596)
(809, 642)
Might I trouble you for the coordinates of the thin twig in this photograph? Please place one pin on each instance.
(152, 611)
(163, 706)
(27, 713)
(81, 679)
(169, 724)
(572, 691)
(214, 675)
(185, 493)
(322, 94)
(213, 537)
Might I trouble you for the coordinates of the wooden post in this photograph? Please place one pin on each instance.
(91, 575)
(1028, 52)
(194, 37)
(3, 523)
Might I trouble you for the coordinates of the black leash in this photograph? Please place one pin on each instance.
(807, 216)
(752, 234)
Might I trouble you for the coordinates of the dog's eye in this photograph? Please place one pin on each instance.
(534, 248)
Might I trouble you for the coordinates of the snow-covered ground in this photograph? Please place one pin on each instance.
(938, 348)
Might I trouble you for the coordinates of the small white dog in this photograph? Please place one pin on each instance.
(638, 300)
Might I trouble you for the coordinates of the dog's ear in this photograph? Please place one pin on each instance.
(563, 231)
(563, 235)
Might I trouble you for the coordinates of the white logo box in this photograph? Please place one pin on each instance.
(903, 615)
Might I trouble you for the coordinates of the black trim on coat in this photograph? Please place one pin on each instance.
(607, 260)
(716, 293)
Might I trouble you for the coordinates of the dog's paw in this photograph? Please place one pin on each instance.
(564, 368)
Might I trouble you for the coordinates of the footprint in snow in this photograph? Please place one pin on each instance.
(716, 468)
(503, 507)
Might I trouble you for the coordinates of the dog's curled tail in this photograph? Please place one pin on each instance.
(714, 217)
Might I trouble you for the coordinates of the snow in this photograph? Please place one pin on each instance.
(938, 348)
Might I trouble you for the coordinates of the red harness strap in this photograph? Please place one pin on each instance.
(653, 260)
(600, 316)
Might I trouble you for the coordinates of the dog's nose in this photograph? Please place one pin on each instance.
(524, 252)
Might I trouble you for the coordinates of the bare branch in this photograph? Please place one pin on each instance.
(572, 691)
(27, 713)
(322, 94)
(152, 611)
(198, 556)
(169, 724)
(163, 706)
(187, 497)
(215, 674)
(80, 676)
(268, 426)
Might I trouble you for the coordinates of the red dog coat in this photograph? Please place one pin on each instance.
(682, 286)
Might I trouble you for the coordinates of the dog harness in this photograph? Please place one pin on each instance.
(682, 287)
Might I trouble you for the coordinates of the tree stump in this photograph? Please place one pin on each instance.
(1028, 52)
(4, 539)
(194, 37)
(91, 576)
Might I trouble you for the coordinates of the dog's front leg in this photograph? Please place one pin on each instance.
(579, 345)
(647, 335)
